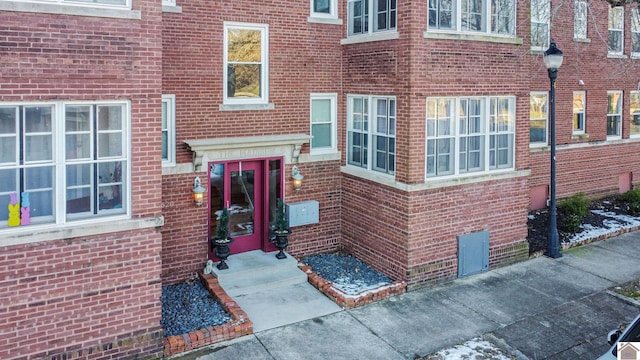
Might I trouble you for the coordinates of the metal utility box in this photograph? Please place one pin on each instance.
(473, 253)
(303, 213)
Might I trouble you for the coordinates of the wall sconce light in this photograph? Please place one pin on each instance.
(297, 178)
(197, 191)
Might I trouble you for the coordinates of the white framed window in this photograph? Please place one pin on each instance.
(469, 135)
(580, 20)
(371, 133)
(110, 3)
(324, 9)
(246, 64)
(538, 118)
(634, 112)
(614, 114)
(475, 16)
(635, 32)
(168, 130)
(540, 18)
(369, 16)
(323, 123)
(71, 158)
(579, 111)
(616, 30)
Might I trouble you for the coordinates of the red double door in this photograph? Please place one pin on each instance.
(247, 189)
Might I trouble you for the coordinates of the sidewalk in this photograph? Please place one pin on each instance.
(538, 309)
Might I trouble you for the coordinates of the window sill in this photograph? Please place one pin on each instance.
(172, 9)
(616, 56)
(585, 40)
(64, 9)
(579, 136)
(472, 37)
(246, 107)
(324, 20)
(379, 36)
(635, 56)
(326, 156)
(38, 233)
(538, 146)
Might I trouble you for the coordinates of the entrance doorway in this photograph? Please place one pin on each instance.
(249, 190)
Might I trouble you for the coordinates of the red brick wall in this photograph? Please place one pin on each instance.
(97, 296)
(595, 166)
(303, 59)
(94, 297)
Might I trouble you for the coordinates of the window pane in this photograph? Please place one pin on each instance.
(38, 148)
(78, 200)
(8, 118)
(110, 117)
(635, 113)
(110, 176)
(165, 144)
(77, 118)
(109, 144)
(8, 150)
(78, 175)
(321, 135)
(243, 81)
(37, 119)
(320, 110)
(321, 6)
(244, 46)
(8, 182)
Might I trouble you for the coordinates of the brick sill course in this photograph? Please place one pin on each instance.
(239, 325)
(347, 301)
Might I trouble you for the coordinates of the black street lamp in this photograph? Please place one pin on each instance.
(553, 60)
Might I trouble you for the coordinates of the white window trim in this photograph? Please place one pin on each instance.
(546, 124)
(60, 216)
(332, 15)
(631, 115)
(619, 135)
(621, 52)
(371, 21)
(170, 100)
(486, 35)
(540, 21)
(264, 75)
(582, 4)
(333, 97)
(371, 132)
(80, 9)
(635, 12)
(487, 133)
(584, 114)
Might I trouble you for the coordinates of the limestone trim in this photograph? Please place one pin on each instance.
(206, 150)
(34, 233)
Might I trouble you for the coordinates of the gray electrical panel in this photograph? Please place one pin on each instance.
(473, 253)
(303, 213)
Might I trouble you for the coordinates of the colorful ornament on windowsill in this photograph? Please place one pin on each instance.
(25, 211)
(14, 210)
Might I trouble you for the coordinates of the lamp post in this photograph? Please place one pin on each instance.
(553, 60)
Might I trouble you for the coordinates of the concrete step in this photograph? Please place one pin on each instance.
(256, 271)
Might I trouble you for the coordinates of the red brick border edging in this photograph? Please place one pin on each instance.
(352, 301)
(239, 325)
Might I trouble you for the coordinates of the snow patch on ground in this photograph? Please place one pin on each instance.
(472, 349)
(616, 222)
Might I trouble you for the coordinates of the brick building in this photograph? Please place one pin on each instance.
(420, 129)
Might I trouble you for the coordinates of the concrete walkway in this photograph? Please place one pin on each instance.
(538, 309)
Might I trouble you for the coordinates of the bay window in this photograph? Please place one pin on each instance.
(469, 135)
(475, 16)
(371, 133)
(369, 16)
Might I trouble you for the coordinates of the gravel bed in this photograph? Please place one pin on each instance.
(347, 273)
(188, 306)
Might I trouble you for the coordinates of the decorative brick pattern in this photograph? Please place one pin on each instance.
(347, 301)
(239, 325)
